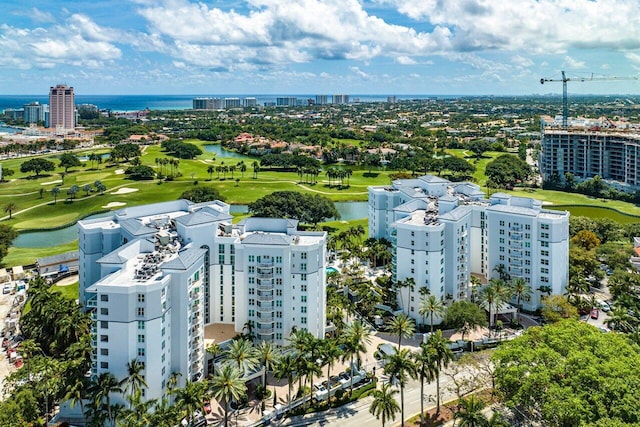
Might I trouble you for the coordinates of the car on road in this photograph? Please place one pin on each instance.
(595, 313)
(6, 289)
(604, 306)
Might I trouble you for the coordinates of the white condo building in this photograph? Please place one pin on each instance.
(155, 277)
(442, 232)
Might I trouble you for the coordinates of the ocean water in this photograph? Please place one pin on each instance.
(168, 102)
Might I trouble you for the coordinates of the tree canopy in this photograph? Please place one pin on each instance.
(180, 149)
(125, 151)
(69, 160)
(140, 172)
(465, 316)
(570, 374)
(37, 165)
(507, 170)
(202, 194)
(291, 204)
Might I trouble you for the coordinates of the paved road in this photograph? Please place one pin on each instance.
(357, 413)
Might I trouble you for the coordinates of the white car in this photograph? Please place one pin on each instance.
(7, 289)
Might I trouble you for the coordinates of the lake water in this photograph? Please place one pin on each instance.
(222, 153)
(43, 239)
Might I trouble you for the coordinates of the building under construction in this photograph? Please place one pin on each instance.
(587, 151)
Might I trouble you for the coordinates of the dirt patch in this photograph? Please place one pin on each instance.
(119, 171)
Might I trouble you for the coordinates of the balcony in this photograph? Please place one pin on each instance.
(265, 309)
(265, 288)
(515, 244)
(92, 302)
(265, 275)
(265, 298)
(265, 319)
(265, 331)
(515, 236)
(516, 254)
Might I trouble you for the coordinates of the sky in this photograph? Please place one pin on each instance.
(393, 47)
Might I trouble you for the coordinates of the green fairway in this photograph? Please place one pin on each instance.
(597, 212)
(28, 256)
(480, 164)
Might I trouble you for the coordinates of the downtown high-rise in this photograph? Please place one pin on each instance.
(62, 109)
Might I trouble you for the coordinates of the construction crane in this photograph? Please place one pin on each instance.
(565, 79)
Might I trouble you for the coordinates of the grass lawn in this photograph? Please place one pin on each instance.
(480, 164)
(27, 256)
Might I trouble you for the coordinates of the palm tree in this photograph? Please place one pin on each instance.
(268, 354)
(443, 357)
(521, 290)
(243, 167)
(10, 207)
(243, 354)
(355, 339)
(331, 352)
(227, 385)
(286, 368)
(403, 326)
(210, 171)
(384, 403)
(214, 350)
(431, 306)
(491, 296)
(256, 168)
(75, 393)
(54, 192)
(138, 414)
(134, 381)
(189, 399)
(400, 366)
(470, 413)
(172, 383)
(101, 391)
(425, 361)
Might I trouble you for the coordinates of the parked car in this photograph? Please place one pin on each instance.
(6, 289)
(595, 313)
(604, 306)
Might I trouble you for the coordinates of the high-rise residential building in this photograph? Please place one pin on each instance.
(34, 112)
(249, 102)
(232, 103)
(286, 101)
(612, 154)
(155, 277)
(62, 109)
(442, 232)
(202, 104)
(322, 99)
(340, 99)
(392, 99)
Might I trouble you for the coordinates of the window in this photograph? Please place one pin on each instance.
(104, 325)
(104, 338)
(252, 258)
(278, 270)
(104, 365)
(303, 267)
(544, 261)
(141, 352)
(278, 303)
(502, 232)
(278, 325)
(104, 352)
(279, 314)
(501, 223)
(303, 309)
(544, 235)
(502, 240)
(278, 281)
(140, 297)
(104, 311)
(278, 292)
(544, 244)
(140, 338)
(413, 261)
(412, 270)
(252, 269)
(104, 297)
(544, 270)
(140, 311)
(303, 255)
(303, 277)
(303, 320)
(527, 227)
(303, 287)
(413, 243)
(303, 298)
(544, 226)
(278, 336)
(278, 260)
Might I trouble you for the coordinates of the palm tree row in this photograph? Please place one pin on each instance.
(338, 175)
(165, 163)
(425, 364)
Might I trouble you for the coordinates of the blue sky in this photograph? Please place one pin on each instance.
(468, 47)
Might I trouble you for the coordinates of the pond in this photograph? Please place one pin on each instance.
(221, 152)
(43, 239)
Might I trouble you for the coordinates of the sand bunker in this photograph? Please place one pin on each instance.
(57, 181)
(125, 190)
(119, 171)
(114, 205)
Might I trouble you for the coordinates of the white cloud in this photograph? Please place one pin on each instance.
(405, 60)
(543, 26)
(572, 63)
(359, 72)
(78, 41)
(282, 32)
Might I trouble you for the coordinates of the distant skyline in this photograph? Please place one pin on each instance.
(395, 47)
